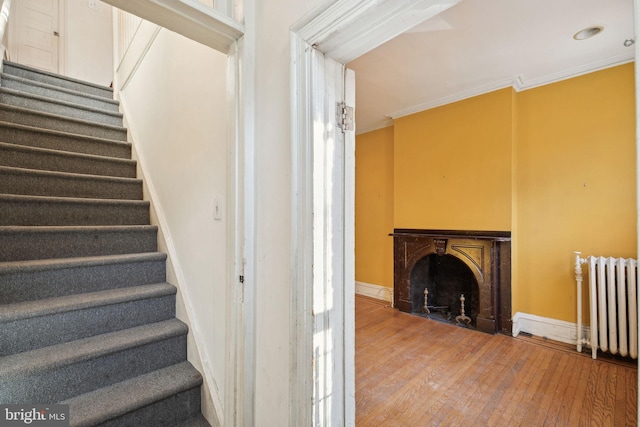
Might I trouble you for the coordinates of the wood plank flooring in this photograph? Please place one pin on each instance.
(416, 372)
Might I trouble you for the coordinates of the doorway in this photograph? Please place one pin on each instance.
(339, 33)
(35, 34)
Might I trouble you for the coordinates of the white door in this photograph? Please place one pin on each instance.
(36, 34)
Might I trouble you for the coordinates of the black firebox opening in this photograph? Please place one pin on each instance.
(446, 278)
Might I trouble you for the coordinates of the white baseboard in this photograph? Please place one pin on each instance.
(383, 293)
(553, 329)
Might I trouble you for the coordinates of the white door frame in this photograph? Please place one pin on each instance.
(341, 31)
(636, 16)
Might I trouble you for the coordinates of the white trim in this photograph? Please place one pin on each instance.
(350, 28)
(62, 38)
(450, 99)
(247, 223)
(189, 18)
(553, 329)
(517, 83)
(370, 290)
(234, 387)
(375, 126)
(636, 16)
(165, 243)
(145, 35)
(5, 12)
(301, 350)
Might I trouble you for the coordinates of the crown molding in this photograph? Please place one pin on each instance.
(518, 83)
(375, 126)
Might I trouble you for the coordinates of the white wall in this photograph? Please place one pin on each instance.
(175, 107)
(88, 50)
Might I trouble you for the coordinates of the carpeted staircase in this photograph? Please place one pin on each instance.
(86, 317)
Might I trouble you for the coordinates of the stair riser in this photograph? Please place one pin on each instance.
(50, 92)
(15, 156)
(52, 80)
(24, 245)
(95, 373)
(65, 327)
(34, 284)
(22, 182)
(61, 109)
(32, 118)
(171, 411)
(72, 213)
(65, 142)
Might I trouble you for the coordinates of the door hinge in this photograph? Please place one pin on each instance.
(345, 116)
(241, 279)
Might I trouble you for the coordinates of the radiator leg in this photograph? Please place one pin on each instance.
(578, 271)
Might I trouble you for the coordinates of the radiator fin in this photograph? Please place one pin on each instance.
(612, 305)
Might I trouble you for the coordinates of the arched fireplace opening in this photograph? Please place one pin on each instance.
(446, 279)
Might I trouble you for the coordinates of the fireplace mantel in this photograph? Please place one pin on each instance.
(486, 253)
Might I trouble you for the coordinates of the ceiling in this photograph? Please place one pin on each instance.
(478, 46)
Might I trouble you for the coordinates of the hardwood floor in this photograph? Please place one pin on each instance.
(412, 371)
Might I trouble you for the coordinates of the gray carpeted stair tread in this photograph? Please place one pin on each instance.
(27, 210)
(25, 242)
(38, 75)
(22, 156)
(66, 263)
(29, 117)
(57, 92)
(104, 404)
(48, 306)
(35, 182)
(52, 321)
(31, 136)
(199, 421)
(45, 359)
(91, 363)
(30, 280)
(63, 108)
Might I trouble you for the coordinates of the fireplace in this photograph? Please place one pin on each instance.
(449, 264)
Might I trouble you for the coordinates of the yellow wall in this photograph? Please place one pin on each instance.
(561, 162)
(374, 207)
(575, 184)
(453, 166)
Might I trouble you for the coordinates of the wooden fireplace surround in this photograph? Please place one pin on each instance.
(486, 253)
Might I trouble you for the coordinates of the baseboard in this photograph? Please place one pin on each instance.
(553, 329)
(383, 293)
(212, 403)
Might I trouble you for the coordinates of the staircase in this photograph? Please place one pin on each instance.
(86, 317)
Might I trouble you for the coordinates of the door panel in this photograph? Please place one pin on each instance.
(37, 27)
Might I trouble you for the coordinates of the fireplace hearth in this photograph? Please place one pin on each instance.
(449, 264)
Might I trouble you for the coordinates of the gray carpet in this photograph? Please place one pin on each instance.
(86, 317)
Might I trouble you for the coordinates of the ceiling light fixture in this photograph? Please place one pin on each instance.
(588, 32)
(629, 42)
